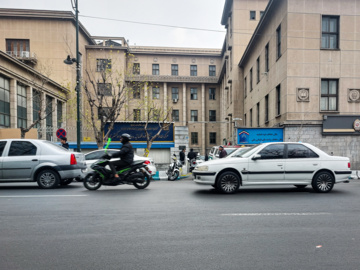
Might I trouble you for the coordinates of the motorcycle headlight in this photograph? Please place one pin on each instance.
(202, 168)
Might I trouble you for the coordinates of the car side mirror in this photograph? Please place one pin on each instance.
(255, 157)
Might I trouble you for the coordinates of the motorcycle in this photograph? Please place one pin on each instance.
(174, 169)
(192, 163)
(136, 174)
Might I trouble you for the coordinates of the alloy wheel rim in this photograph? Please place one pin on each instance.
(47, 179)
(324, 182)
(228, 183)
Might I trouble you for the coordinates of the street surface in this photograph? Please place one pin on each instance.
(179, 225)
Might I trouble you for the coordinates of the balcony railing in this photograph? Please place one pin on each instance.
(169, 78)
(24, 56)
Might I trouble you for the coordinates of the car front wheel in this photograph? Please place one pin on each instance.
(323, 182)
(228, 182)
(48, 179)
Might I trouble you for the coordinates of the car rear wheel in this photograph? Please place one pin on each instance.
(300, 186)
(323, 182)
(228, 182)
(48, 179)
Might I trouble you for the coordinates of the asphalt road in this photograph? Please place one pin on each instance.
(179, 225)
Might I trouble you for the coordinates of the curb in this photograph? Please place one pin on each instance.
(161, 175)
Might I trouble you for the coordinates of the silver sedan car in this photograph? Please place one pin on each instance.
(44, 162)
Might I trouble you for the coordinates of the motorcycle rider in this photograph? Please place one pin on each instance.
(126, 155)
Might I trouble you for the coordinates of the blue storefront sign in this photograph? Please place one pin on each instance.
(259, 135)
(137, 132)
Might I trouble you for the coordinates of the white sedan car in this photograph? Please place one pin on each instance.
(285, 163)
(93, 156)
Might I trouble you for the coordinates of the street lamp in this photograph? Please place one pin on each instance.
(70, 61)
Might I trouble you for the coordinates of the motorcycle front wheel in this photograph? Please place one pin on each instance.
(92, 181)
(173, 176)
(142, 185)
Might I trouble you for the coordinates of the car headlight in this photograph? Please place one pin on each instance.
(202, 168)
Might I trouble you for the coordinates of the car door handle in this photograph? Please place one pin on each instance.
(315, 164)
(280, 165)
(34, 160)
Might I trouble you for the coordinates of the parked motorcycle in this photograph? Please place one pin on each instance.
(174, 169)
(192, 164)
(136, 174)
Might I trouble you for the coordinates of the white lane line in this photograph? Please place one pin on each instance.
(277, 214)
(40, 196)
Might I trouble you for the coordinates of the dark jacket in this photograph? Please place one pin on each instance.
(222, 153)
(191, 155)
(182, 156)
(65, 145)
(126, 153)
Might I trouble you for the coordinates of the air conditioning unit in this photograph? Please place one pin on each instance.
(25, 54)
(175, 100)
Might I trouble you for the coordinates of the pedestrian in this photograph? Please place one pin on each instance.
(222, 152)
(206, 156)
(64, 143)
(182, 156)
(191, 155)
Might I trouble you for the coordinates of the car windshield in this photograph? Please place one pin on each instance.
(229, 150)
(239, 152)
(251, 151)
(54, 145)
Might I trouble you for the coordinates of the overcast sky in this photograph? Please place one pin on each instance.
(200, 14)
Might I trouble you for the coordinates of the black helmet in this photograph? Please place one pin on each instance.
(126, 137)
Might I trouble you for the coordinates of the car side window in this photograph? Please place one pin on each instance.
(22, 149)
(300, 151)
(274, 151)
(2, 146)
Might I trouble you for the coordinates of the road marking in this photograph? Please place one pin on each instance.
(41, 196)
(276, 214)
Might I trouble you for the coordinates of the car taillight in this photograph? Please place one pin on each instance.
(194, 162)
(146, 162)
(349, 165)
(73, 160)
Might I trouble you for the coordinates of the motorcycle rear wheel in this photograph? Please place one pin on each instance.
(143, 184)
(173, 176)
(92, 181)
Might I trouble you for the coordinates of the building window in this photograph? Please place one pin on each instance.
(258, 114)
(103, 112)
(266, 108)
(193, 93)
(104, 89)
(18, 47)
(36, 107)
(252, 15)
(251, 118)
(156, 93)
(258, 70)
(212, 70)
(136, 69)
(267, 57)
(59, 114)
(212, 115)
(136, 92)
(193, 70)
(245, 87)
(175, 93)
(174, 70)
(330, 32)
(175, 116)
(261, 14)
(194, 115)
(212, 137)
(245, 119)
(21, 106)
(251, 80)
(194, 138)
(137, 114)
(4, 102)
(278, 42)
(329, 95)
(103, 64)
(49, 118)
(278, 100)
(212, 92)
(155, 69)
